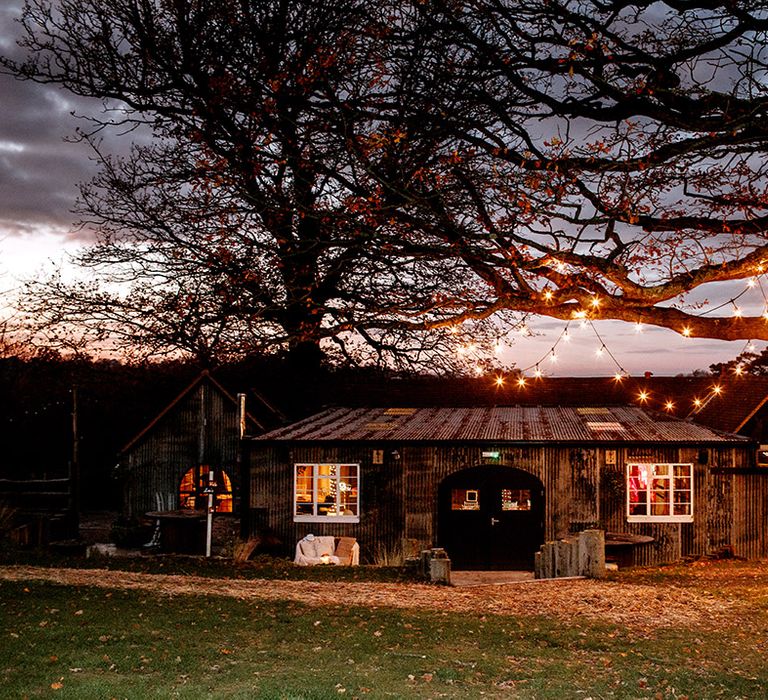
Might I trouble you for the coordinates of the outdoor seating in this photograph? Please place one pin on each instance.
(326, 549)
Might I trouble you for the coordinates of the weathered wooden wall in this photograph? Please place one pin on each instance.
(398, 500)
(202, 428)
(382, 501)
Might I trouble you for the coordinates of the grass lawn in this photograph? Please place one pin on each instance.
(261, 566)
(69, 642)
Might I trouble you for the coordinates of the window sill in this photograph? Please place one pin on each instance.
(659, 518)
(326, 518)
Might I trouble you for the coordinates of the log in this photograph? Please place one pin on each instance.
(592, 553)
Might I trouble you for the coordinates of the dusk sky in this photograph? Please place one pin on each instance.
(39, 172)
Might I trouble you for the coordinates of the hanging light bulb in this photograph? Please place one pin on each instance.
(498, 348)
(669, 405)
(697, 403)
(566, 337)
(737, 312)
(553, 356)
(548, 294)
(738, 370)
(717, 389)
(618, 377)
(643, 395)
(687, 331)
(751, 346)
(595, 302)
(638, 327)
(751, 282)
(499, 380)
(599, 352)
(537, 372)
(521, 382)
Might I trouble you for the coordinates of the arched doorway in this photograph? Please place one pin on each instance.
(491, 517)
(192, 490)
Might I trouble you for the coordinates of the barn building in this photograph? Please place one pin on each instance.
(166, 465)
(491, 484)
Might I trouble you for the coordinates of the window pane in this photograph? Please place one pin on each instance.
(682, 484)
(682, 469)
(637, 493)
(327, 469)
(682, 508)
(326, 495)
(515, 499)
(465, 499)
(304, 504)
(348, 492)
(660, 469)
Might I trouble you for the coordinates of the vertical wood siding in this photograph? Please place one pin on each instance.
(202, 428)
(399, 499)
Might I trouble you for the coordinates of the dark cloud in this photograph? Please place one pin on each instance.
(39, 168)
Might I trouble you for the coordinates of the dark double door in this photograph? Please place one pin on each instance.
(491, 518)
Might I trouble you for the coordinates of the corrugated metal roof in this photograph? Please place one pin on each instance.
(499, 424)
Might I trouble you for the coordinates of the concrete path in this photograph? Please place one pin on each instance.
(489, 578)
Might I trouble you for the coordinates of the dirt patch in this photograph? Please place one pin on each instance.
(637, 606)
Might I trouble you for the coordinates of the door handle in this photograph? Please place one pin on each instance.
(494, 521)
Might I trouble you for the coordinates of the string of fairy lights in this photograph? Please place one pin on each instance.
(536, 370)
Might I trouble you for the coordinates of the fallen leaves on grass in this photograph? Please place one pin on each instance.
(639, 606)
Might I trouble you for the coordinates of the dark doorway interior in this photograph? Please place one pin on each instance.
(491, 517)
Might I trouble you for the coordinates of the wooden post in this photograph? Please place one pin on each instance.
(565, 562)
(440, 570)
(592, 553)
(439, 567)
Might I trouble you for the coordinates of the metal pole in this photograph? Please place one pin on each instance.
(74, 470)
(241, 414)
(209, 524)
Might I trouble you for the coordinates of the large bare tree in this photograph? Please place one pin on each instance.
(366, 173)
(247, 221)
(608, 158)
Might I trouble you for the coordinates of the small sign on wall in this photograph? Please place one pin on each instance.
(377, 457)
(610, 456)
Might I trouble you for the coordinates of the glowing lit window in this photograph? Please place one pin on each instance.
(465, 499)
(660, 493)
(515, 499)
(192, 490)
(325, 491)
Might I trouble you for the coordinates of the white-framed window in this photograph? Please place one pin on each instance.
(323, 491)
(659, 493)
